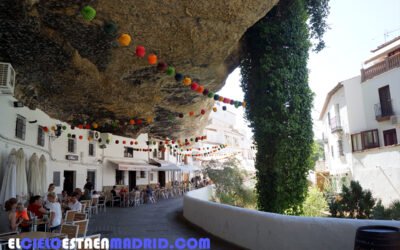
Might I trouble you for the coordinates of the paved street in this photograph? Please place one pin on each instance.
(163, 219)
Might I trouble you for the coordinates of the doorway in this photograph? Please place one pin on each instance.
(161, 178)
(69, 181)
(385, 101)
(91, 176)
(132, 180)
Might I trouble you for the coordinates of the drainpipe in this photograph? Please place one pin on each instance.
(390, 182)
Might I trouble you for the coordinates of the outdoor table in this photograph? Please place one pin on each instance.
(37, 223)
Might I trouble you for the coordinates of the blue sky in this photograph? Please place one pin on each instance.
(356, 27)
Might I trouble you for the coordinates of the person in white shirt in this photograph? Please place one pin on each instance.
(55, 212)
(50, 189)
(74, 204)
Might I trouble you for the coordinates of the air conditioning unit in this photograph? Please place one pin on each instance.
(95, 135)
(7, 79)
(395, 119)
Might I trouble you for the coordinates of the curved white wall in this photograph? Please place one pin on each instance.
(259, 230)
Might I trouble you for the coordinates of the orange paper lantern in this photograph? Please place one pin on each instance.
(95, 125)
(152, 59)
(200, 89)
(221, 99)
(191, 113)
(124, 39)
(187, 81)
(132, 122)
(244, 104)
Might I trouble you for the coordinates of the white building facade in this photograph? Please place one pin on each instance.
(361, 121)
(72, 157)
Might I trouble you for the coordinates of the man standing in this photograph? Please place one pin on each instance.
(88, 189)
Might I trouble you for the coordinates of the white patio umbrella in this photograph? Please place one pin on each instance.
(22, 183)
(43, 174)
(8, 187)
(34, 176)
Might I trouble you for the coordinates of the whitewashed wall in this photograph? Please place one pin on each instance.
(256, 230)
(55, 149)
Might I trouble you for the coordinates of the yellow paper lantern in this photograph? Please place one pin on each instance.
(95, 125)
(221, 99)
(149, 119)
(53, 128)
(215, 109)
(244, 104)
(124, 39)
(187, 81)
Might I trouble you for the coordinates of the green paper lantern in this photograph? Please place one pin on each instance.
(64, 127)
(69, 135)
(88, 13)
(108, 141)
(154, 143)
(170, 71)
(210, 95)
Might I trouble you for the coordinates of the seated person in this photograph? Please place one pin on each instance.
(79, 194)
(55, 212)
(115, 196)
(35, 206)
(10, 222)
(74, 204)
(22, 213)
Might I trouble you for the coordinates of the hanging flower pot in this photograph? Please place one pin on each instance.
(187, 81)
(88, 13)
(152, 59)
(140, 51)
(124, 40)
(170, 71)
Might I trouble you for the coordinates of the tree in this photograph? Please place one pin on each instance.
(315, 203)
(229, 180)
(275, 82)
(353, 202)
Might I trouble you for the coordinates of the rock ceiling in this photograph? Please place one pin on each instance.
(75, 71)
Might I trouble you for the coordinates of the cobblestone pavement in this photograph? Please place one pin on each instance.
(163, 219)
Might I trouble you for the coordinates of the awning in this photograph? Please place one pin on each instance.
(132, 165)
(164, 165)
(189, 168)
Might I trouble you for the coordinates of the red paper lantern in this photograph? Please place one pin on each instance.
(131, 142)
(46, 129)
(139, 122)
(140, 51)
(136, 143)
(152, 59)
(80, 126)
(194, 85)
(116, 142)
(202, 111)
(123, 142)
(191, 113)
(226, 100)
(162, 66)
(87, 126)
(80, 137)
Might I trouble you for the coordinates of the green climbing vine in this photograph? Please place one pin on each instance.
(275, 82)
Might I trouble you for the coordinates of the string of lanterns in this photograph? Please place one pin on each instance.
(125, 40)
(214, 156)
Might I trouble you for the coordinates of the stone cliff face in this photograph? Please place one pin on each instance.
(75, 70)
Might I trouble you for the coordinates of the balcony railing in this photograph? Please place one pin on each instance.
(383, 110)
(389, 63)
(335, 124)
